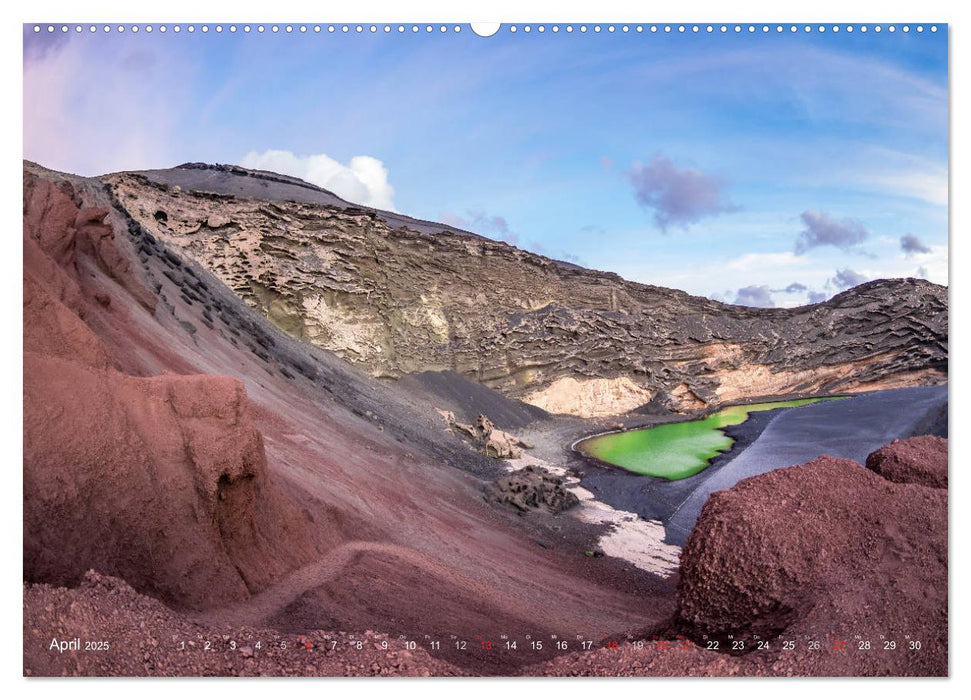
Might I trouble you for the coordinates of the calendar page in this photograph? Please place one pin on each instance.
(516, 349)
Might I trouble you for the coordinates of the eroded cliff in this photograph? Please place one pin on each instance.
(395, 295)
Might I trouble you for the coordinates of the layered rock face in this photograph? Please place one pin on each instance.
(396, 296)
(159, 479)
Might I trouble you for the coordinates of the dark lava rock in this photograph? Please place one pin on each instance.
(532, 488)
(916, 460)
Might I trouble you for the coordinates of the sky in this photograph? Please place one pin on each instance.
(764, 168)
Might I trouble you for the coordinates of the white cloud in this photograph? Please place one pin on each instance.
(364, 180)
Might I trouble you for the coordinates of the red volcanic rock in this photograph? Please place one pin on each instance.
(758, 547)
(916, 460)
(161, 480)
(49, 216)
(98, 237)
(827, 562)
(61, 230)
(825, 550)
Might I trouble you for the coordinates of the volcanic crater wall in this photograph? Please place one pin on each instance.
(158, 479)
(397, 297)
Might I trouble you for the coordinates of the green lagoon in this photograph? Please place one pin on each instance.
(677, 450)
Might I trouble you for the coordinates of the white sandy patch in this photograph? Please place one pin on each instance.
(639, 542)
(527, 460)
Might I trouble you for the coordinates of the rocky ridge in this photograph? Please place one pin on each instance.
(397, 296)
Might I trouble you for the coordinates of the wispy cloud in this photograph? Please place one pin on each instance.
(754, 295)
(897, 173)
(92, 107)
(846, 278)
(823, 230)
(912, 245)
(678, 196)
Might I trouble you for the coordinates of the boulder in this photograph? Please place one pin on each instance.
(916, 460)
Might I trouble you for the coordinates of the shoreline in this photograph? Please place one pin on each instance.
(657, 498)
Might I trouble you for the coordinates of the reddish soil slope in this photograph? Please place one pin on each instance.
(174, 438)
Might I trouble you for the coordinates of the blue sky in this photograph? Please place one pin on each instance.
(736, 166)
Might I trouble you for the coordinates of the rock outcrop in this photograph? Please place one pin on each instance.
(158, 479)
(485, 435)
(396, 296)
(532, 488)
(834, 569)
(827, 550)
(918, 460)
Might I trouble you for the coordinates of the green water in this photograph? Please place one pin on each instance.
(677, 450)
